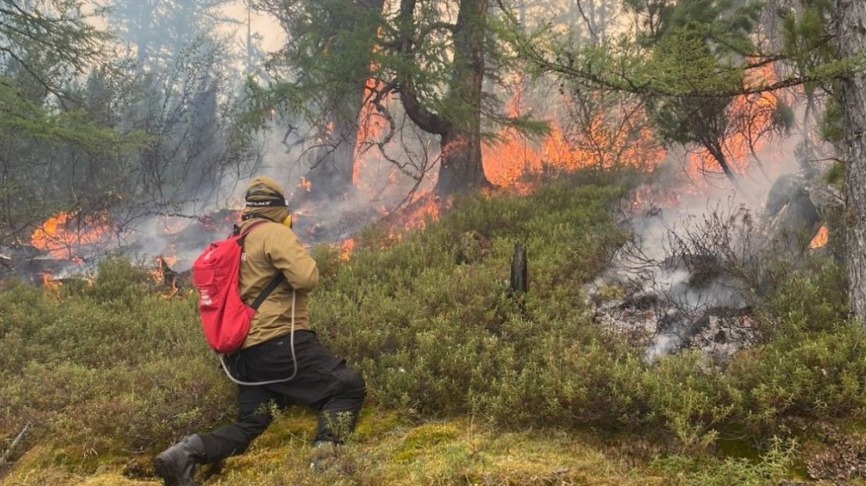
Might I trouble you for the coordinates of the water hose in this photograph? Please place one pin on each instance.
(294, 358)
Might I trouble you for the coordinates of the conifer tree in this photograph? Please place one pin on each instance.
(432, 57)
(45, 47)
(851, 41)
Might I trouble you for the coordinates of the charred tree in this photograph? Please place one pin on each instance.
(851, 42)
(519, 283)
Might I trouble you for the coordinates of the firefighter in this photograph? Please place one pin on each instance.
(281, 361)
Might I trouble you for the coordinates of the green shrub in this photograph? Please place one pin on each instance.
(112, 364)
(430, 322)
(773, 467)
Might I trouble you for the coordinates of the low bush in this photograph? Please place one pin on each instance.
(112, 364)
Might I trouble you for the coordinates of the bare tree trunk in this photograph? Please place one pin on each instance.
(851, 39)
(714, 148)
(461, 167)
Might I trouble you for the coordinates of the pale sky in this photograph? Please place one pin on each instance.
(268, 28)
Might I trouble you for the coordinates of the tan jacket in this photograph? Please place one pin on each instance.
(268, 248)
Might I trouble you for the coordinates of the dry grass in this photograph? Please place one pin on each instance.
(385, 451)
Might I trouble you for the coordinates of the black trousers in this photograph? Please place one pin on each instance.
(323, 383)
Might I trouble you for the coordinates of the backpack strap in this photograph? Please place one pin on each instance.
(243, 234)
(267, 290)
(272, 285)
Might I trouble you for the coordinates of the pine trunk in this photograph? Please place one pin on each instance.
(461, 168)
(851, 38)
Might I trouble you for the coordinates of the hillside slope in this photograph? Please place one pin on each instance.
(468, 381)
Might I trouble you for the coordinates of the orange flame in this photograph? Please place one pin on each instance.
(750, 117)
(604, 141)
(650, 198)
(346, 249)
(821, 238)
(372, 125)
(62, 235)
(164, 276)
(49, 283)
(161, 264)
(427, 211)
(424, 209)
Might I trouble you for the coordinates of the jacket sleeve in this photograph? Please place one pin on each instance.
(288, 256)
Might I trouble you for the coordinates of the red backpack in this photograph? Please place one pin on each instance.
(216, 275)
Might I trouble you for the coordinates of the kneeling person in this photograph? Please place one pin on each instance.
(280, 344)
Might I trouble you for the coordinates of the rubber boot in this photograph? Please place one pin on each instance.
(176, 465)
(325, 455)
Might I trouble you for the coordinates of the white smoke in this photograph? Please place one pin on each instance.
(665, 290)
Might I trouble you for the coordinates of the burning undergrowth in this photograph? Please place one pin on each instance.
(682, 299)
(692, 274)
(666, 303)
(66, 246)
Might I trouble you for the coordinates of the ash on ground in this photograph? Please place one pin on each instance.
(669, 308)
(689, 285)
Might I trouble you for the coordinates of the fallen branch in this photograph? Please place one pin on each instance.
(6, 455)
